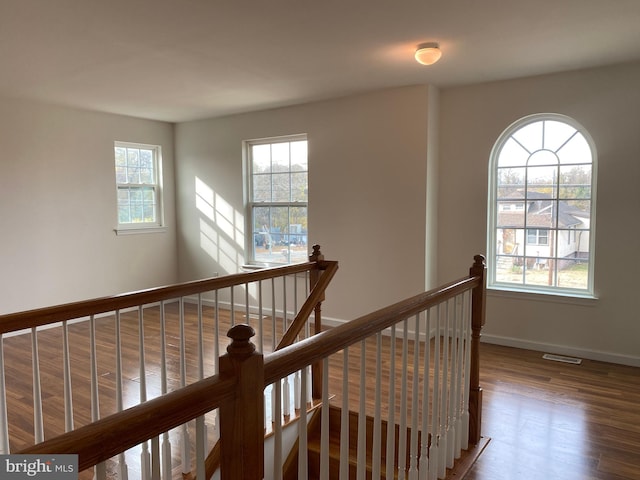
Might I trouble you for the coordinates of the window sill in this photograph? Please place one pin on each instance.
(138, 230)
(540, 296)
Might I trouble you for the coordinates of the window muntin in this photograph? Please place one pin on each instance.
(278, 185)
(541, 207)
(138, 185)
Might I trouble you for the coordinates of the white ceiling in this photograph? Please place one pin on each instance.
(178, 60)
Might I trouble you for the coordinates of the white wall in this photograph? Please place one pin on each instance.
(57, 208)
(606, 102)
(367, 192)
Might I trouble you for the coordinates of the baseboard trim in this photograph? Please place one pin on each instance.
(597, 355)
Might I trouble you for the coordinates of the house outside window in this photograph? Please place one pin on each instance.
(277, 186)
(541, 225)
(139, 187)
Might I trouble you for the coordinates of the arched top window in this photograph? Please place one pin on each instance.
(542, 207)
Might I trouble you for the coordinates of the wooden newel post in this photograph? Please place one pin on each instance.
(242, 417)
(478, 297)
(316, 368)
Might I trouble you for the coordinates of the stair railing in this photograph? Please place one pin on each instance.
(453, 316)
(173, 352)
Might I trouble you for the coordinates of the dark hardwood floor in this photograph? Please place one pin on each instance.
(549, 420)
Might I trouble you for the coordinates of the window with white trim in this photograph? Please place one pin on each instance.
(139, 186)
(277, 183)
(541, 222)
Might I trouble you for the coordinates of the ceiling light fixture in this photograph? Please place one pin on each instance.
(428, 53)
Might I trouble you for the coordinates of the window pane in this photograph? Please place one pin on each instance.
(262, 188)
(510, 218)
(133, 175)
(280, 157)
(511, 182)
(541, 183)
(530, 136)
(513, 154)
(573, 273)
(124, 216)
(576, 150)
(556, 134)
(299, 156)
(133, 157)
(281, 187)
(121, 174)
(509, 270)
(261, 158)
(121, 156)
(575, 182)
(299, 187)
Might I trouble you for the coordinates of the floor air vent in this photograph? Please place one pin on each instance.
(560, 358)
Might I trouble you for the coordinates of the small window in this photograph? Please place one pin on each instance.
(277, 184)
(138, 184)
(542, 207)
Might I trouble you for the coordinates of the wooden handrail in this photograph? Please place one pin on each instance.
(317, 294)
(284, 362)
(107, 437)
(98, 441)
(69, 311)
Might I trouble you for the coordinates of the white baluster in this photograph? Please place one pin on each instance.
(459, 368)
(402, 441)
(391, 440)
(216, 358)
(145, 456)
(442, 461)
(434, 451)
(233, 306)
(453, 409)
(361, 469)
(423, 466)
(467, 370)
(324, 425)
(100, 470)
(376, 456)
(201, 358)
(123, 470)
(246, 303)
(166, 443)
(260, 319)
(38, 427)
(155, 458)
(344, 418)
(277, 432)
(303, 469)
(415, 449)
(201, 443)
(185, 442)
(66, 367)
(286, 396)
(4, 425)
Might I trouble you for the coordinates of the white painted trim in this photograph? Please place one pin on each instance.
(597, 355)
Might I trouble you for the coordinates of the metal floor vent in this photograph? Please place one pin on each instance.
(560, 358)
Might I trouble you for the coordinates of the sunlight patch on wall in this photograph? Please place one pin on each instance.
(204, 199)
(221, 228)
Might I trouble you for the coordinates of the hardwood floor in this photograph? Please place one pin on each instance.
(549, 420)
(546, 420)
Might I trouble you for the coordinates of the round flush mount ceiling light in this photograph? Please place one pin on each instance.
(428, 53)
